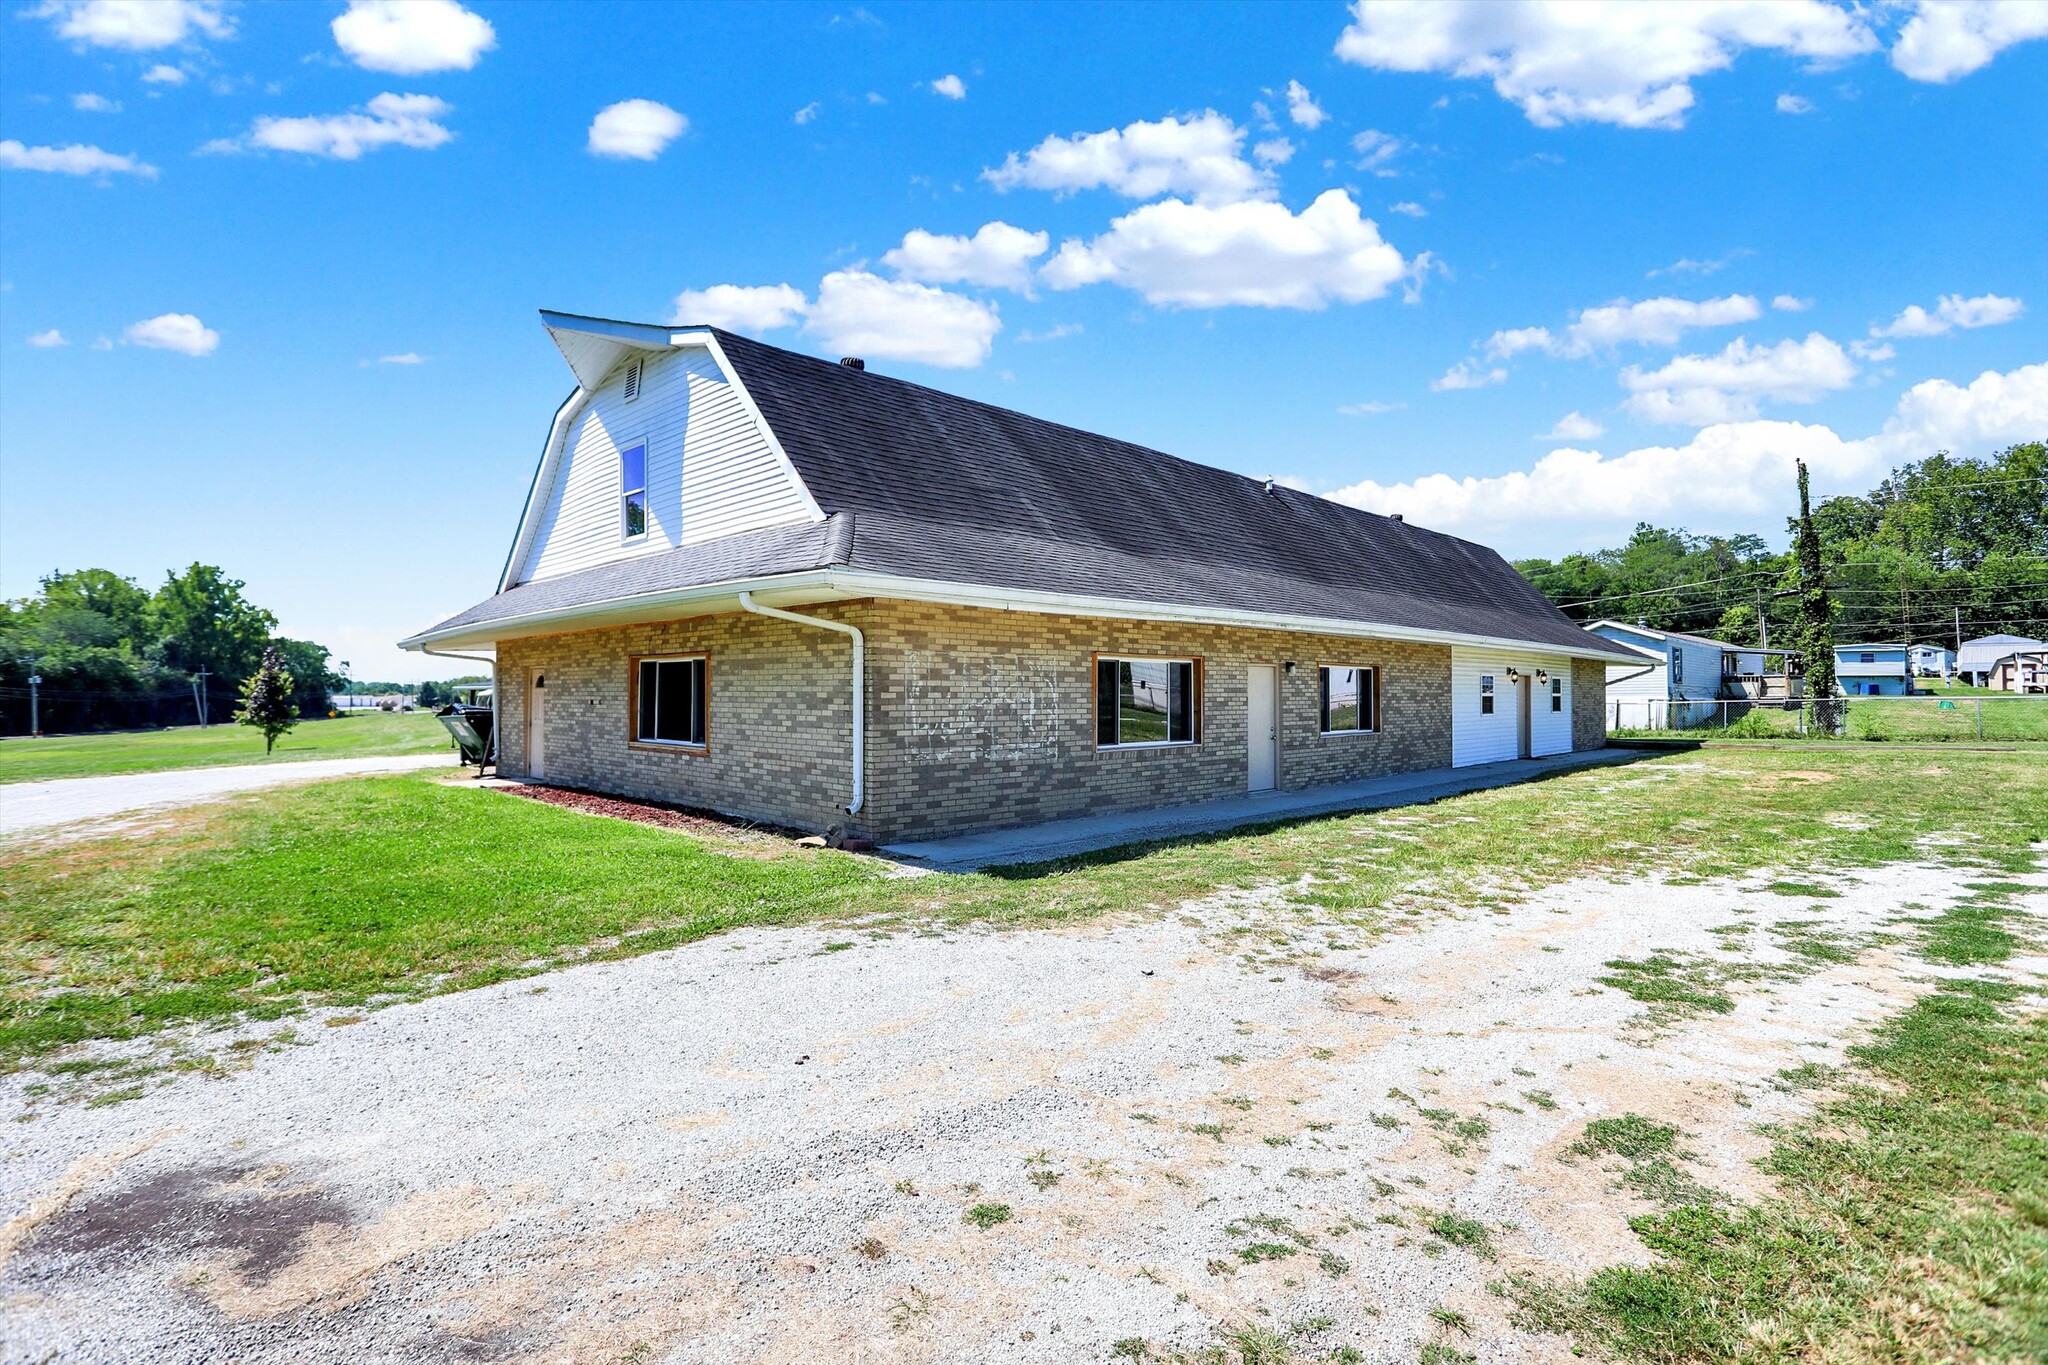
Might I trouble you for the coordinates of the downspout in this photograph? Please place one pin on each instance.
(860, 677)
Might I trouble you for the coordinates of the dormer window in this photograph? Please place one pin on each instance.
(633, 490)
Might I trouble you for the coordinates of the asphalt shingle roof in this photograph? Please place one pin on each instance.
(926, 484)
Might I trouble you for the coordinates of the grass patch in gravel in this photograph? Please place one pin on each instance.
(360, 891)
(1911, 1222)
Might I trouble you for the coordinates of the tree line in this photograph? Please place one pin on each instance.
(1941, 548)
(115, 655)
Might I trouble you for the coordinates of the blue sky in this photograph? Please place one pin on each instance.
(268, 274)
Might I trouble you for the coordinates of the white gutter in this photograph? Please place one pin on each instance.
(860, 687)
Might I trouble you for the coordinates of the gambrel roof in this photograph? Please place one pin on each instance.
(921, 492)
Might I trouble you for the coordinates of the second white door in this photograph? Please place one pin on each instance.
(1262, 726)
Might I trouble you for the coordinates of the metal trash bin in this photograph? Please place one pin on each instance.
(471, 727)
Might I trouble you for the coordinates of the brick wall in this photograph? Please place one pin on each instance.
(976, 719)
(1589, 704)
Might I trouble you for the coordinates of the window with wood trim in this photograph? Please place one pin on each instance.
(671, 702)
(1142, 702)
(1347, 699)
(633, 490)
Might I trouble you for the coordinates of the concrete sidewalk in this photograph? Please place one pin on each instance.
(75, 800)
(1092, 833)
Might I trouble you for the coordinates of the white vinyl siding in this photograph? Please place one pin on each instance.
(1480, 738)
(710, 469)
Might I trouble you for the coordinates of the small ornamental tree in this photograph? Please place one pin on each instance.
(1816, 617)
(267, 699)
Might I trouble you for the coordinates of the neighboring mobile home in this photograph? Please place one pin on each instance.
(1873, 670)
(1002, 620)
(1932, 661)
(1682, 680)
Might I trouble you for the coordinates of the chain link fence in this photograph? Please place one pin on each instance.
(1917, 719)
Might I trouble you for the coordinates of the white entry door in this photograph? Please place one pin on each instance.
(537, 729)
(1525, 723)
(1262, 726)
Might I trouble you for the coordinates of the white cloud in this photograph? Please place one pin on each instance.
(636, 130)
(77, 159)
(95, 104)
(857, 313)
(998, 256)
(1794, 104)
(1736, 472)
(751, 309)
(1700, 389)
(1376, 150)
(391, 121)
(1302, 107)
(1948, 39)
(1646, 322)
(1686, 265)
(1254, 253)
(404, 358)
(951, 86)
(1468, 374)
(807, 113)
(1054, 333)
(1574, 426)
(43, 341)
(1790, 303)
(1372, 408)
(1409, 208)
(1516, 340)
(1200, 157)
(1603, 61)
(180, 332)
(136, 25)
(164, 74)
(412, 37)
(1874, 351)
(1952, 311)
(1274, 151)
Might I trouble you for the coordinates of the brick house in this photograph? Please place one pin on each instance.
(759, 582)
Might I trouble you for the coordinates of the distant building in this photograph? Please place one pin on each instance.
(1873, 670)
(1932, 661)
(1683, 679)
(1981, 660)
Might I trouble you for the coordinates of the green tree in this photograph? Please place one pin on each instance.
(120, 601)
(202, 620)
(1816, 636)
(267, 703)
(314, 684)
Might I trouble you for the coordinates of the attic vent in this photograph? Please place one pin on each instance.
(633, 380)
(853, 362)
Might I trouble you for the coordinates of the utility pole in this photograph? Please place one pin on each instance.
(1763, 622)
(348, 686)
(199, 694)
(35, 710)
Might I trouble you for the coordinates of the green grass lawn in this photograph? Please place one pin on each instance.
(342, 891)
(188, 746)
(1967, 716)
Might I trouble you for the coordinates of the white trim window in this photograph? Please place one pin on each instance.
(1486, 694)
(1346, 700)
(672, 702)
(1144, 703)
(633, 490)
(1556, 694)
(1678, 665)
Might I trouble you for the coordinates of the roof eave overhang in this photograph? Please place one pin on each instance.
(826, 585)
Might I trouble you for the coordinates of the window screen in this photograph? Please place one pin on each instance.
(1144, 701)
(672, 702)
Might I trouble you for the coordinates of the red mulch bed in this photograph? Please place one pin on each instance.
(641, 812)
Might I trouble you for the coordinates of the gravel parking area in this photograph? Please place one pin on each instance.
(1029, 1146)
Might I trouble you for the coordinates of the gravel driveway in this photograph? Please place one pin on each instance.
(771, 1146)
(78, 800)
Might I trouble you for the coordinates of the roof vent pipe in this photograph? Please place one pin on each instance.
(853, 362)
(1269, 485)
(1396, 516)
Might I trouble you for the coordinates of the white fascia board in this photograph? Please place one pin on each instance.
(1593, 628)
(796, 589)
(542, 487)
(835, 585)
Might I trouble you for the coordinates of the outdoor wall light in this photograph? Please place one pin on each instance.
(1542, 675)
(1513, 674)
